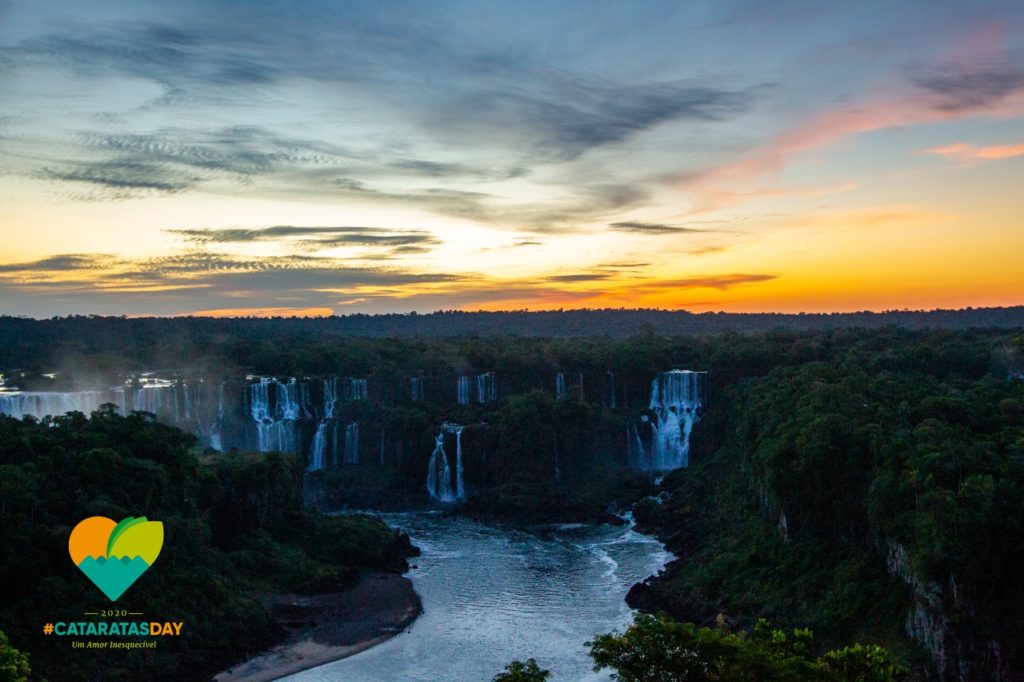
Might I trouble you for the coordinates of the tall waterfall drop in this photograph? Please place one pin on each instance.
(486, 387)
(316, 452)
(463, 390)
(415, 389)
(355, 389)
(330, 396)
(276, 411)
(460, 487)
(676, 398)
(560, 386)
(439, 472)
(351, 455)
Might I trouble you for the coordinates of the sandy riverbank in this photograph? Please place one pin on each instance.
(332, 626)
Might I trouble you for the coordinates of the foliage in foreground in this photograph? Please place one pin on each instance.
(658, 649)
(235, 531)
(13, 663)
(517, 671)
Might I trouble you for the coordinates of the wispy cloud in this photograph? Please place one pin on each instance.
(62, 263)
(317, 238)
(655, 228)
(578, 277)
(990, 85)
(959, 88)
(962, 151)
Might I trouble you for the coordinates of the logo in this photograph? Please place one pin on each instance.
(114, 555)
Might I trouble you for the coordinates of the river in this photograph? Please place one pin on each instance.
(492, 594)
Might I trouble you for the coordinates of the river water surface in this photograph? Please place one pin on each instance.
(492, 594)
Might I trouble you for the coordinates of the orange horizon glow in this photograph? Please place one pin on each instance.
(812, 180)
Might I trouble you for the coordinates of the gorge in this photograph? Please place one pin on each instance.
(843, 480)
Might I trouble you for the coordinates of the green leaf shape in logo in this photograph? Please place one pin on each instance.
(113, 556)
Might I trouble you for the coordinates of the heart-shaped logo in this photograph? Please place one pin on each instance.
(114, 555)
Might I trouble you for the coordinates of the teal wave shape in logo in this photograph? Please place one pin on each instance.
(113, 576)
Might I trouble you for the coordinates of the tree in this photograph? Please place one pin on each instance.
(658, 649)
(517, 671)
(14, 664)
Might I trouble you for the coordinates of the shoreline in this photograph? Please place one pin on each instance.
(330, 627)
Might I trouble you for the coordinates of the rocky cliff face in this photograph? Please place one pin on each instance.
(943, 621)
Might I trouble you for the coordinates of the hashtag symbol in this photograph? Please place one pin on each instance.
(48, 628)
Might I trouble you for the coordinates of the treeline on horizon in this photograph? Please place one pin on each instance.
(33, 343)
(546, 323)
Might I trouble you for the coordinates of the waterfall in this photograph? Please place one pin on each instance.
(611, 400)
(486, 387)
(676, 398)
(351, 444)
(40, 404)
(153, 398)
(460, 488)
(355, 389)
(316, 453)
(636, 452)
(275, 422)
(439, 474)
(289, 402)
(415, 389)
(330, 396)
(463, 390)
(560, 386)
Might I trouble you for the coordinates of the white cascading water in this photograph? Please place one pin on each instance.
(355, 389)
(121, 400)
(330, 396)
(191, 396)
(486, 387)
(39, 404)
(559, 386)
(463, 390)
(460, 486)
(316, 451)
(351, 455)
(611, 399)
(275, 427)
(154, 398)
(676, 398)
(439, 472)
(415, 389)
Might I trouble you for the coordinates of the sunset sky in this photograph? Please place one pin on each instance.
(228, 157)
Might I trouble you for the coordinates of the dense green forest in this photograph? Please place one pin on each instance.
(168, 342)
(866, 483)
(866, 495)
(235, 532)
